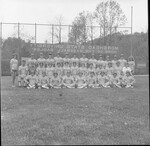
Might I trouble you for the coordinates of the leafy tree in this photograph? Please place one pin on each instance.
(109, 16)
(78, 33)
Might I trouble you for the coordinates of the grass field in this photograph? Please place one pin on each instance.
(79, 116)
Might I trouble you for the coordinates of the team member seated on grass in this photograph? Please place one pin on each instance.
(68, 81)
(101, 79)
(22, 73)
(55, 81)
(121, 79)
(107, 81)
(31, 80)
(43, 81)
(115, 80)
(91, 80)
(129, 79)
(80, 81)
(40, 69)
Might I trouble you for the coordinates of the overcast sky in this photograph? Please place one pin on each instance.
(45, 11)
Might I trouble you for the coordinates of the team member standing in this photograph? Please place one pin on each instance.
(114, 61)
(122, 61)
(101, 62)
(32, 63)
(50, 60)
(58, 59)
(118, 67)
(66, 59)
(22, 73)
(92, 60)
(131, 62)
(14, 68)
(83, 60)
(107, 61)
(74, 60)
(41, 60)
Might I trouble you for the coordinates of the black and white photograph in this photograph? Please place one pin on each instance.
(74, 72)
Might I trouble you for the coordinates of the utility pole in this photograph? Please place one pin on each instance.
(131, 53)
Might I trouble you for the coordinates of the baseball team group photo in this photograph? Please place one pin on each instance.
(74, 72)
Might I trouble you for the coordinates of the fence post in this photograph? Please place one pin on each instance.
(100, 36)
(60, 34)
(68, 32)
(131, 53)
(52, 32)
(92, 35)
(1, 42)
(35, 33)
(19, 57)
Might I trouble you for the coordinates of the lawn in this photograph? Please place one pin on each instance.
(79, 116)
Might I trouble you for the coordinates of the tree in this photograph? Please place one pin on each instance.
(19, 31)
(109, 16)
(57, 29)
(90, 28)
(78, 33)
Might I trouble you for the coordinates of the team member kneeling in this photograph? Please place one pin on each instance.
(23, 71)
(68, 81)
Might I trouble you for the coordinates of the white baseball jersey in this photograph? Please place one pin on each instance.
(23, 70)
(31, 62)
(14, 64)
